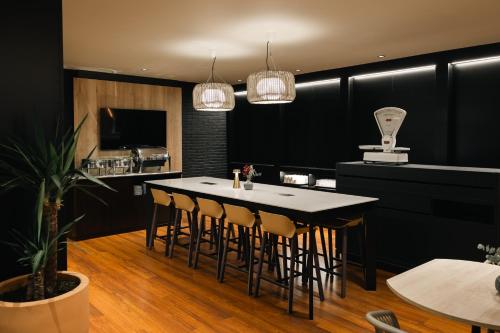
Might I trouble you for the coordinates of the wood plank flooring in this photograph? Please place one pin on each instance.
(136, 290)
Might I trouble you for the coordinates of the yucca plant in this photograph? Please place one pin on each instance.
(47, 169)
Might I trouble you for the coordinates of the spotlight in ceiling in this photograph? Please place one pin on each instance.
(382, 56)
(239, 80)
(297, 70)
(144, 69)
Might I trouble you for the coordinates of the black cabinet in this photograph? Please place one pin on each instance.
(426, 212)
(124, 211)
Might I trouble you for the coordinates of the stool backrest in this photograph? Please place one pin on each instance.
(277, 224)
(384, 321)
(183, 202)
(239, 215)
(210, 208)
(161, 197)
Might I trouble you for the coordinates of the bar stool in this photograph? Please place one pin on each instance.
(346, 224)
(160, 199)
(244, 218)
(280, 225)
(183, 203)
(212, 209)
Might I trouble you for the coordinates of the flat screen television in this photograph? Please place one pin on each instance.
(124, 128)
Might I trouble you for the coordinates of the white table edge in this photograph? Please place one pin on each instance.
(439, 314)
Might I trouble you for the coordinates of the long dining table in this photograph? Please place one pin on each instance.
(313, 208)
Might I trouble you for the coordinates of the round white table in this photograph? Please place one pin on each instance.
(457, 289)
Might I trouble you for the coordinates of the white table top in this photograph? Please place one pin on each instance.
(280, 196)
(456, 289)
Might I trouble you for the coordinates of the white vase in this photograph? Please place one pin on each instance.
(248, 185)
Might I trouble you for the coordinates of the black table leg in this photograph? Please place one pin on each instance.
(475, 329)
(310, 271)
(370, 256)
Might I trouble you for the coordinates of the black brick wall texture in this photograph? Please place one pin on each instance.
(204, 140)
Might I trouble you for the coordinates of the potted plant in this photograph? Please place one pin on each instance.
(249, 172)
(45, 299)
(492, 257)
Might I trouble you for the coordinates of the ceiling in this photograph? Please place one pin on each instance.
(176, 39)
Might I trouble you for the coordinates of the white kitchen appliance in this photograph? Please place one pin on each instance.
(389, 120)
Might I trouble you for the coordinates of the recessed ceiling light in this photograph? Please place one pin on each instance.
(144, 69)
(382, 56)
(239, 80)
(297, 70)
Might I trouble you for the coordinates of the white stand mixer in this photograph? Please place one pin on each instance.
(389, 120)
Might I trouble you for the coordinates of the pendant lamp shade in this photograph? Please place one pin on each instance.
(271, 86)
(213, 96)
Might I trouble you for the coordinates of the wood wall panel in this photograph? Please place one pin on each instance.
(91, 95)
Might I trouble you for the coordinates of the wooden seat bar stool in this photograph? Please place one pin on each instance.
(160, 199)
(280, 225)
(242, 217)
(213, 210)
(184, 203)
(341, 232)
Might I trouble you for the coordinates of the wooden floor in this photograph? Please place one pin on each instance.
(136, 290)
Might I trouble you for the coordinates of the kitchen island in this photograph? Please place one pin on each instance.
(426, 211)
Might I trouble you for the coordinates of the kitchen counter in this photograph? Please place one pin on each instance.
(427, 211)
(127, 208)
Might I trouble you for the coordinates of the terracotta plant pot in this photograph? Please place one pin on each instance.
(64, 313)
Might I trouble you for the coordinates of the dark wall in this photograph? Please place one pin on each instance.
(452, 112)
(31, 95)
(204, 139)
(415, 93)
(477, 114)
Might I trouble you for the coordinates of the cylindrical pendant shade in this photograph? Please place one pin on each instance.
(271, 87)
(212, 96)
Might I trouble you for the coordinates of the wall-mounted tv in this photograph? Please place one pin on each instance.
(124, 128)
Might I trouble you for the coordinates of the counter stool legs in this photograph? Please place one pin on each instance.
(324, 252)
(172, 217)
(251, 261)
(293, 257)
(263, 242)
(192, 220)
(304, 259)
(201, 230)
(224, 253)
(344, 262)
(178, 217)
(154, 227)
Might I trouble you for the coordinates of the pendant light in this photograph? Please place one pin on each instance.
(213, 96)
(271, 86)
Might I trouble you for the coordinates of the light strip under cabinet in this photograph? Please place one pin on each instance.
(301, 85)
(395, 72)
(478, 61)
